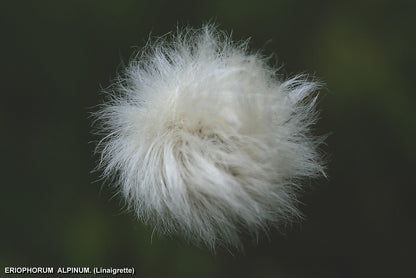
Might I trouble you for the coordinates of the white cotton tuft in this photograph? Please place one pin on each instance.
(203, 140)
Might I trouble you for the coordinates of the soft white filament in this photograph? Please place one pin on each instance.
(202, 139)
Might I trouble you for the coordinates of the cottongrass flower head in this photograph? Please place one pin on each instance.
(202, 139)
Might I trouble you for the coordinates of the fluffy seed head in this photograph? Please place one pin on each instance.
(202, 139)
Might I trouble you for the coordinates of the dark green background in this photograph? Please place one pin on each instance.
(55, 56)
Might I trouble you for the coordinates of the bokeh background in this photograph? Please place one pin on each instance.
(57, 55)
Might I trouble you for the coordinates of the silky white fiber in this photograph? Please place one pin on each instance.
(204, 140)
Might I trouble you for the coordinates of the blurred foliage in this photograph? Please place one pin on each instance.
(56, 55)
